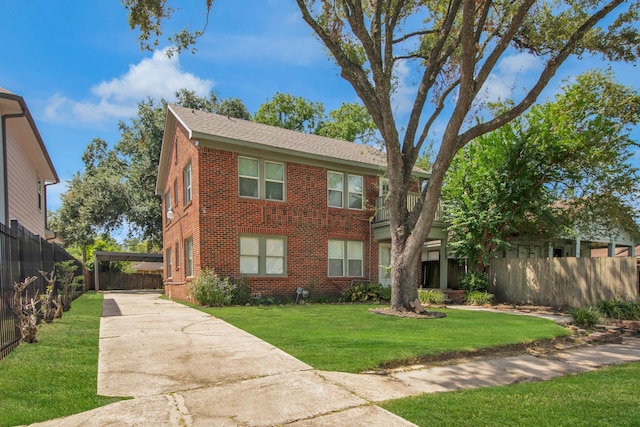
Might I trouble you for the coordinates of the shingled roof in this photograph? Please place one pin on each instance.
(202, 125)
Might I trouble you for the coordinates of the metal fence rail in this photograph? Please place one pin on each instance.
(23, 254)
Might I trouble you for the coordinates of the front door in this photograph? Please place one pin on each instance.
(384, 264)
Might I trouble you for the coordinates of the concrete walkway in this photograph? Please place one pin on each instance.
(185, 368)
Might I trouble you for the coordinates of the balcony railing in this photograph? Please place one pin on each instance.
(412, 199)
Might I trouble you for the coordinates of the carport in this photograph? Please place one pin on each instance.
(120, 256)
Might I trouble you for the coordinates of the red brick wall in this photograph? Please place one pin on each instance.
(184, 224)
(218, 216)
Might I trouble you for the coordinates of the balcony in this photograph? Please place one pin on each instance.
(380, 224)
(382, 216)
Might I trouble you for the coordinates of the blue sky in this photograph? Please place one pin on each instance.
(80, 68)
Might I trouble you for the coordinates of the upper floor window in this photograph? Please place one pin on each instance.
(345, 192)
(167, 205)
(262, 255)
(260, 179)
(39, 192)
(186, 178)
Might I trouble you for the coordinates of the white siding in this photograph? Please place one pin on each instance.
(23, 191)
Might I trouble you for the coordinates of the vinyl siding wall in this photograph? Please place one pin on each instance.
(23, 181)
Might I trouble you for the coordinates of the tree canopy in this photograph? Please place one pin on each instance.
(451, 49)
(560, 169)
(349, 122)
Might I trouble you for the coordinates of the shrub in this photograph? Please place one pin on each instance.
(620, 310)
(366, 292)
(478, 298)
(432, 297)
(585, 317)
(213, 290)
(475, 281)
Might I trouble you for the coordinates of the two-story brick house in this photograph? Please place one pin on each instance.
(281, 208)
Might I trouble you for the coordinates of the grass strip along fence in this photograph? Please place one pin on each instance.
(57, 376)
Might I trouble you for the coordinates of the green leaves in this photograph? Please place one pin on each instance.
(350, 122)
(563, 165)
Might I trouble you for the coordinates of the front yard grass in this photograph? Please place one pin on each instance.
(56, 376)
(349, 338)
(608, 397)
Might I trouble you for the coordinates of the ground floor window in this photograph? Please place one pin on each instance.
(169, 259)
(346, 258)
(262, 255)
(188, 257)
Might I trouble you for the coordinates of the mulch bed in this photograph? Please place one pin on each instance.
(409, 314)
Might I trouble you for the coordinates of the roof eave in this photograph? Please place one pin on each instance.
(36, 133)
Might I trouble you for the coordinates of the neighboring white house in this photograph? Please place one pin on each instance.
(25, 166)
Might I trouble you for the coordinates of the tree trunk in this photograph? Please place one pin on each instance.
(404, 278)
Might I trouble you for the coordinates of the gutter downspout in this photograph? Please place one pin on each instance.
(5, 190)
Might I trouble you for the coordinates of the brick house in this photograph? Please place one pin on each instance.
(281, 208)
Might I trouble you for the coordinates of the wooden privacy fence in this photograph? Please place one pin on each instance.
(122, 281)
(563, 282)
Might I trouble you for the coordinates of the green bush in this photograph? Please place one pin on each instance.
(367, 292)
(478, 298)
(585, 317)
(475, 281)
(432, 297)
(213, 290)
(620, 310)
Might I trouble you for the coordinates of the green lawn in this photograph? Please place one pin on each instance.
(56, 376)
(608, 397)
(349, 338)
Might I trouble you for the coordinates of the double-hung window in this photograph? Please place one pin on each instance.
(167, 205)
(346, 258)
(262, 255)
(186, 181)
(188, 257)
(345, 190)
(260, 179)
(169, 258)
(355, 192)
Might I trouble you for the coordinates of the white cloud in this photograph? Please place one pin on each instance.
(156, 77)
(510, 71)
(404, 94)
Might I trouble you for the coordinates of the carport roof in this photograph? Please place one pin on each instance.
(127, 256)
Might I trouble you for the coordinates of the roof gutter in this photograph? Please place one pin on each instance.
(5, 178)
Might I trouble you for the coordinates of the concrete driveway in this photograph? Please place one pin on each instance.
(185, 368)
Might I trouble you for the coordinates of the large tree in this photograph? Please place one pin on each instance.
(451, 47)
(117, 186)
(561, 168)
(290, 112)
(95, 201)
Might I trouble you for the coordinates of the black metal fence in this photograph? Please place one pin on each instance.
(23, 254)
